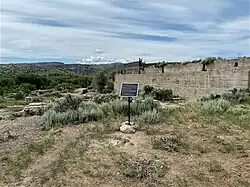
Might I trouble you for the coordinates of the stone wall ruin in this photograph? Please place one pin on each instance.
(192, 79)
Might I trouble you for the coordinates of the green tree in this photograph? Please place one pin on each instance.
(26, 88)
(101, 81)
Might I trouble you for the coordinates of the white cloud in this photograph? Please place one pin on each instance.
(102, 60)
(86, 29)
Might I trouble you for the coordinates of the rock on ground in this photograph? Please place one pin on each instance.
(127, 129)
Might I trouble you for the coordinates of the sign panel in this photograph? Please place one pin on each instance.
(129, 89)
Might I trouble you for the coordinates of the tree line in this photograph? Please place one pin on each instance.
(102, 81)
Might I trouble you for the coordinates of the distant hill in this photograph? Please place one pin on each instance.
(51, 67)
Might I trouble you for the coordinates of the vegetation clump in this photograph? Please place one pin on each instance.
(222, 103)
(148, 170)
(159, 94)
(236, 96)
(171, 143)
(73, 110)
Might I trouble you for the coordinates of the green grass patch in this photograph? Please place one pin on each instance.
(12, 103)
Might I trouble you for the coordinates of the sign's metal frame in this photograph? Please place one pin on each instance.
(129, 97)
(137, 91)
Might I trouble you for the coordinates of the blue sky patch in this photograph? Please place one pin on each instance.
(93, 30)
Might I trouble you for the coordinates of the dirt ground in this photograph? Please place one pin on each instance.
(22, 131)
(73, 162)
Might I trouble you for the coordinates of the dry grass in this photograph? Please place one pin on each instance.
(185, 148)
(16, 164)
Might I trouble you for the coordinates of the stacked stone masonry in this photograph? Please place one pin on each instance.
(189, 81)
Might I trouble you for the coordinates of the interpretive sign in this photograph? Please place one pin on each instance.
(129, 89)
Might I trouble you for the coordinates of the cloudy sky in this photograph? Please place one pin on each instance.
(122, 30)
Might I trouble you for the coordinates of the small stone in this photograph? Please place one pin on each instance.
(58, 131)
(127, 129)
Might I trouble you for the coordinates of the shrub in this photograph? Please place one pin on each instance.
(88, 105)
(106, 91)
(101, 98)
(19, 95)
(213, 106)
(1, 99)
(143, 168)
(36, 99)
(94, 114)
(150, 117)
(54, 94)
(73, 110)
(158, 94)
(171, 144)
(140, 106)
(235, 96)
(69, 102)
(49, 119)
(107, 109)
(211, 97)
(148, 89)
(66, 87)
(163, 94)
(52, 118)
(110, 85)
(119, 107)
(67, 117)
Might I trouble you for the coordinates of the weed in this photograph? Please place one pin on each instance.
(145, 169)
(171, 143)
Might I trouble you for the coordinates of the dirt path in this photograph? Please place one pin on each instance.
(64, 138)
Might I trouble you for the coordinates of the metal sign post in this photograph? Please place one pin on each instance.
(129, 101)
(129, 90)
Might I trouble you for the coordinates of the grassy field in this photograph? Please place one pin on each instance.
(205, 143)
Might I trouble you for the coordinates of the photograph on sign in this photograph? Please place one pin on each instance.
(129, 89)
